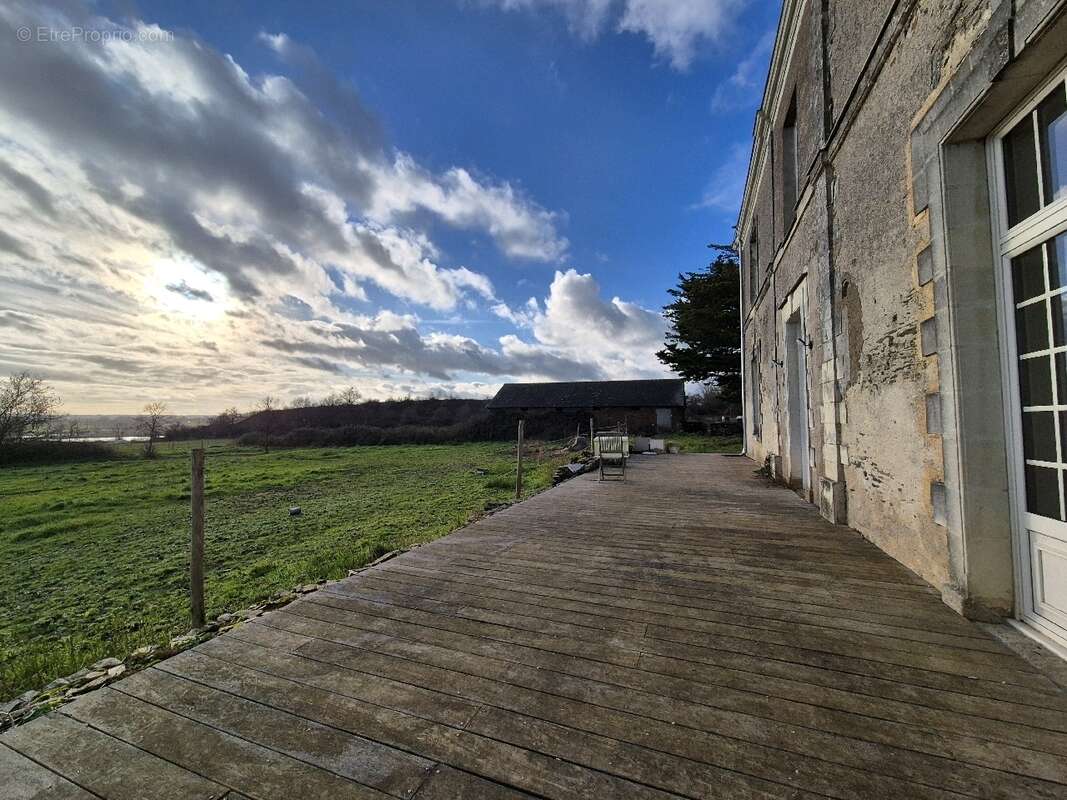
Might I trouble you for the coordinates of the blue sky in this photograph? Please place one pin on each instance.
(466, 157)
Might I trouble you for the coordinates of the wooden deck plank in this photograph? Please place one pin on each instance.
(736, 756)
(721, 640)
(823, 687)
(1049, 725)
(824, 603)
(450, 784)
(434, 585)
(106, 766)
(241, 765)
(24, 779)
(709, 605)
(357, 758)
(503, 633)
(687, 778)
(481, 756)
(578, 553)
(605, 651)
(859, 633)
(860, 743)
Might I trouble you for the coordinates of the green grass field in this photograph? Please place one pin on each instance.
(95, 554)
(698, 443)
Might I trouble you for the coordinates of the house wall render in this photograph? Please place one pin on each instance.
(868, 212)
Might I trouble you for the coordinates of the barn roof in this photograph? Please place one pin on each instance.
(669, 393)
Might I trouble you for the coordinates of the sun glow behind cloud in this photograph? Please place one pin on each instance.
(183, 287)
(188, 231)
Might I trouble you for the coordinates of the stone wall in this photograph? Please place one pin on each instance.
(864, 252)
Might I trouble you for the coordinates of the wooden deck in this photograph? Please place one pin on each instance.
(687, 632)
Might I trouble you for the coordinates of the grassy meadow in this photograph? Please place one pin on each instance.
(95, 554)
(699, 443)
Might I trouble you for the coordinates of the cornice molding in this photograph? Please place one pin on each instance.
(773, 89)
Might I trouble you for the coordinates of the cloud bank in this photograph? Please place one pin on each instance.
(174, 227)
(676, 29)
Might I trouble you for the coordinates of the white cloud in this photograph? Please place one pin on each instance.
(155, 197)
(743, 89)
(727, 185)
(574, 334)
(519, 317)
(618, 337)
(394, 342)
(520, 227)
(247, 175)
(677, 29)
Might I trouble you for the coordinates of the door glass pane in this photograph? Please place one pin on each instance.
(1031, 326)
(1058, 310)
(1020, 171)
(1035, 381)
(1052, 130)
(1043, 491)
(1028, 274)
(1061, 378)
(1056, 249)
(1039, 435)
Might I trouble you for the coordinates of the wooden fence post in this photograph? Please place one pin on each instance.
(196, 560)
(518, 462)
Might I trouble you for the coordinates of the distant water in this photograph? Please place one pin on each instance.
(108, 439)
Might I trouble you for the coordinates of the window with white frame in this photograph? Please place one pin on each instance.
(1035, 158)
(1033, 247)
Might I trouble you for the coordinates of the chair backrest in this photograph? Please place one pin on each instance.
(611, 445)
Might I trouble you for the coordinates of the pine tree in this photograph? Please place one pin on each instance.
(704, 342)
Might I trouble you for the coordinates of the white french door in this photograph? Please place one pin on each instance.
(796, 365)
(1029, 160)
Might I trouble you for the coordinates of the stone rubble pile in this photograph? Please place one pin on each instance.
(586, 462)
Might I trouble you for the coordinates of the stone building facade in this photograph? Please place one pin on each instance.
(902, 244)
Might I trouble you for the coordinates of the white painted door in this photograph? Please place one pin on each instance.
(796, 363)
(802, 390)
(1030, 170)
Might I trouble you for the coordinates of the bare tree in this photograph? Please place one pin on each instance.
(302, 402)
(73, 431)
(346, 397)
(223, 422)
(153, 418)
(230, 416)
(267, 407)
(27, 408)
